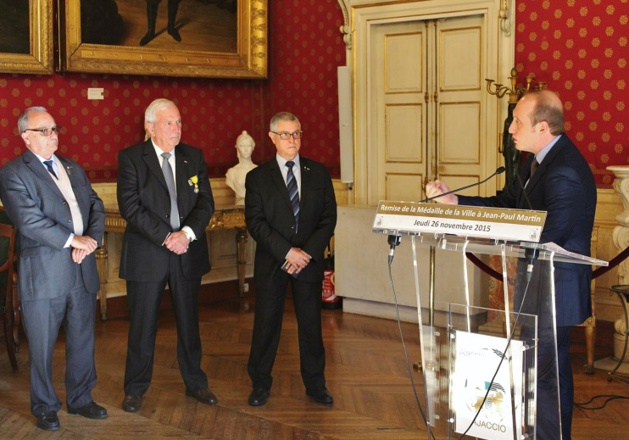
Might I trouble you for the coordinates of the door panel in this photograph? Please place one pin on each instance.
(459, 131)
(404, 133)
(428, 101)
(403, 62)
(460, 101)
(400, 122)
(460, 55)
(398, 187)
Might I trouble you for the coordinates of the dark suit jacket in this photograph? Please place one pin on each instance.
(43, 222)
(145, 204)
(271, 223)
(564, 186)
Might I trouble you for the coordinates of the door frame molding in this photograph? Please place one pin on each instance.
(364, 16)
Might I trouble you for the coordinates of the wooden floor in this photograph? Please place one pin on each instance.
(366, 374)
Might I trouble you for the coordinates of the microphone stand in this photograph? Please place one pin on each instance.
(394, 241)
(499, 170)
(433, 253)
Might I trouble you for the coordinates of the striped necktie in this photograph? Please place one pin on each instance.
(51, 170)
(293, 192)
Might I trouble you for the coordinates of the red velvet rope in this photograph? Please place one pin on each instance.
(595, 274)
(615, 262)
(482, 266)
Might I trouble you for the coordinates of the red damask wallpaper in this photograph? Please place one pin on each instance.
(305, 47)
(579, 48)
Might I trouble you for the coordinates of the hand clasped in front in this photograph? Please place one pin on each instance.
(177, 242)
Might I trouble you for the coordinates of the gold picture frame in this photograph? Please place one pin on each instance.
(248, 59)
(39, 58)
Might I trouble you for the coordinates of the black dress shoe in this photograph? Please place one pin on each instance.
(132, 403)
(48, 421)
(321, 395)
(259, 396)
(92, 411)
(147, 38)
(203, 395)
(173, 32)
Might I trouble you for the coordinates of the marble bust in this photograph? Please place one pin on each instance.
(235, 177)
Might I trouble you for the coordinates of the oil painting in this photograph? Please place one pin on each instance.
(192, 38)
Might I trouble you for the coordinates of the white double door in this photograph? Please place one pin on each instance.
(427, 104)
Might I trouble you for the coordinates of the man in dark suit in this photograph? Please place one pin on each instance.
(60, 221)
(291, 225)
(164, 195)
(561, 183)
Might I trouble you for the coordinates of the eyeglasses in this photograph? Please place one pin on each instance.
(286, 135)
(45, 131)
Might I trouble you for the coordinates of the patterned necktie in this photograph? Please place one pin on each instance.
(51, 170)
(170, 183)
(293, 193)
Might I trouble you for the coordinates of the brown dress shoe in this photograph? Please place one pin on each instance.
(203, 395)
(259, 396)
(132, 403)
(321, 395)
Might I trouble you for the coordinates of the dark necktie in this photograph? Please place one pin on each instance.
(170, 183)
(293, 192)
(534, 166)
(51, 170)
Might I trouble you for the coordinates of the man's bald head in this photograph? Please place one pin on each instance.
(548, 107)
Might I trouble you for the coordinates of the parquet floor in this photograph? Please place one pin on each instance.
(365, 371)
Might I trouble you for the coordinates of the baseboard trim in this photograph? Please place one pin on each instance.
(208, 293)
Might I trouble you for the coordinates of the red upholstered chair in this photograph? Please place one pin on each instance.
(8, 292)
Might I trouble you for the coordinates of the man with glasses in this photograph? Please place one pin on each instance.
(290, 210)
(60, 221)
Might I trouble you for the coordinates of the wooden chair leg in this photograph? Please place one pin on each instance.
(9, 325)
(10, 346)
(17, 316)
(590, 339)
(11, 303)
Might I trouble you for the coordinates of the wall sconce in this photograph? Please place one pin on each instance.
(516, 90)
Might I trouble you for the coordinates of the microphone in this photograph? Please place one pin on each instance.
(531, 255)
(499, 170)
(528, 202)
(394, 241)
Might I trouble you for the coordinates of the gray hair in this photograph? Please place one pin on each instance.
(282, 116)
(22, 122)
(156, 106)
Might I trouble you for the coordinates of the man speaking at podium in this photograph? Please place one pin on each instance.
(555, 178)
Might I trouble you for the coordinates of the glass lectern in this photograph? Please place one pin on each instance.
(480, 365)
